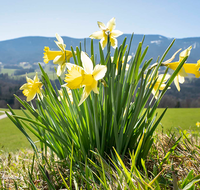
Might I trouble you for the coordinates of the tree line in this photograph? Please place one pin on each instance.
(188, 97)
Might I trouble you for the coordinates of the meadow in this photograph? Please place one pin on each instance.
(175, 118)
(49, 69)
(91, 135)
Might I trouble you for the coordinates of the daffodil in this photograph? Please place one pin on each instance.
(69, 93)
(105, 31)
(31, 88)
(58, 57)
(158, 86)
(198, 124)
(173, 65)
(127, 65)
(86, 77)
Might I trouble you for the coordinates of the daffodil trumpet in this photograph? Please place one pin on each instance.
(86, 77)
(193, 68)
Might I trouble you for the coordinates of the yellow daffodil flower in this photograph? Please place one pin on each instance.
(158, 81)
(198, 124)
(105, 31)
(193, 68)
(162, 86)
(31, 88)
(69, 93)
(58, 57)
(173, 65)
(127, 65)
(86, 77)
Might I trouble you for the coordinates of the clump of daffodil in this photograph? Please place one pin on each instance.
(105, 31)
(158, 86)
(86, 77)
(31, 88)
(173, 65)
(117, 64)
(69, 93)
(58, 57)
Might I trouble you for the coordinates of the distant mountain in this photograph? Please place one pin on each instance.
(30, 49)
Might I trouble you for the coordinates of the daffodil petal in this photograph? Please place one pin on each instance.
(184, 53)
(167, 76)
(101, 25)
(60, 59)
(111, 24)
(61, 46)
(97, 35)
(172, 58)
(31, 95)
(159, 78)
(59, 38)
(99, 72)
(181, 79)
(86, 92)
(70, 65)
(59, 70)
(162, 86)
(182, 72)
(129, 58)
(94, 87)
(156, 95)
(28, 79)
(113, 42)
(103, 42)
(153, 91)
(176, 82)
(36, 79)
(25, 86)
(87, 63)
(116, 33)
(127, 67)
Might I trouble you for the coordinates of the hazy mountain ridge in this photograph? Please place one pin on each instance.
(30, 49)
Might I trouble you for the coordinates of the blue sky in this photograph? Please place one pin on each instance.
(78, 18)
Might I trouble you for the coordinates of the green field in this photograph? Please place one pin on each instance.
(185, 118)
(1, 113)
(51, 73)
(12, 139)
(9, 71)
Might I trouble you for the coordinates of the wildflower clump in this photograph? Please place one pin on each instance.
(104, 104)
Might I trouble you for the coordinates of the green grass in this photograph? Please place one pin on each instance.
(185, 118)
(11, 137)
(1, 113)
